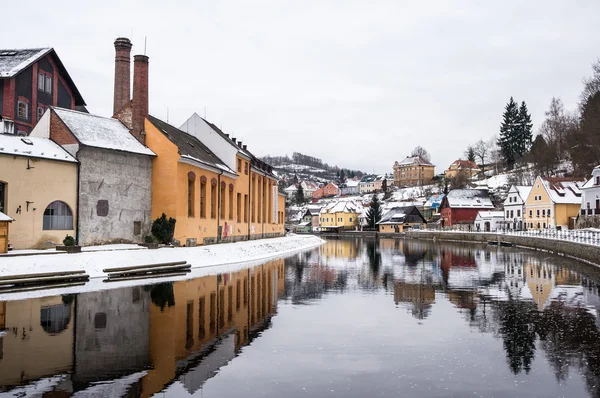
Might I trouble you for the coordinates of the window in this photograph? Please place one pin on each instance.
(213, 200)
(544, 225)
(531, 213)
(537, 212)
(246, 168)
(40, 112)
(55, 318)
(137, 228)
(548, 213)
(239, 207)
(231, 202)
(202, 198)
(58, 215)
(518, 213)
(239, 165)
(512, 214)
(41, 81)
(223, 200)
(191, 191)
(543, 212)
(507, 214)
(350, 219)
(2, 197)
(245, 208)
(102, 208)
(100, 320)
(48, 84)
(22, 109)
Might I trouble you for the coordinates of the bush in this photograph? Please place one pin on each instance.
(149, 239)
(163, 229)
(69, 241)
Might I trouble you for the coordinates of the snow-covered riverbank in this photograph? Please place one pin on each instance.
(202, 256)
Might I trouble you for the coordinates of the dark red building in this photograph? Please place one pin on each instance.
(31, 80)
(461, 206)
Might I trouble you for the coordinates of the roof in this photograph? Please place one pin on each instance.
(351, 183)
(474, 198)
(342, 206)
(189, 146)
(14, 61)
(4, 217)
(563, 190)
(592, 181)
(523, 191)
(490, 214)
(291, 188)
(101, 132)
(414, 161)
(402, 214)
(33, 147)
(464, 164)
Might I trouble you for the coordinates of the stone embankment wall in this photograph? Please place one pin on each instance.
(588, 253)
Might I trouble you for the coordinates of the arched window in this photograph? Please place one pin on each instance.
(22, 110)
(58, 215)
(191, 192)
(2, 197)
(203, 196)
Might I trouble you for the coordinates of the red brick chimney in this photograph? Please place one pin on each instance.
(140, 96)
(122, 73)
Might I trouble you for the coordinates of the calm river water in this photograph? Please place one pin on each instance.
(352, 318)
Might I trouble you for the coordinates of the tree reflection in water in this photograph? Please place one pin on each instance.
(161, 294)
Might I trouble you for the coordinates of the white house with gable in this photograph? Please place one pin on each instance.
(489, 221)
(590, 195)
(514, 207)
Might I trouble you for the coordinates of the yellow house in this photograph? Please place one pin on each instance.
(342, 215)
(540, 280)
(38, 190)
(399, 219)
(553, 203)
(462, 166)
(211, 200)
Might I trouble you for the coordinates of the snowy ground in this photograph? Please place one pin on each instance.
(12, 253)
(202, 256)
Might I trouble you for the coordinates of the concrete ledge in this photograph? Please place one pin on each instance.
(587, 253)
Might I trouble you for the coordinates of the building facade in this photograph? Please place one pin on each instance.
(327, 191)
(342, 215)
(413, 171)
(514, 207)
(590, 203)
(38, 190)
(400, 219)
(553, 203)
(31, 80)
(489, 221)
(461, 206)
(459, 166)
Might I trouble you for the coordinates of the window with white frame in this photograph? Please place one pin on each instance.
(48, 84)
(22, 109)
(41, 81)
(58, 215)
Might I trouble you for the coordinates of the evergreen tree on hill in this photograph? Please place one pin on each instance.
(509, 133)
(470, 154)
(524, 129)
(374, 212)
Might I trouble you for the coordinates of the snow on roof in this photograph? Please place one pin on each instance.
(469, 198)
(523, 191)
(341, 206)
(490, 214)
(414, 161)
(291, 188)
(464, 164)
(352, 183)
(4, 217)
(101, 132)
(494, 182)
(562, 190)
(34, 147)
(14, 61)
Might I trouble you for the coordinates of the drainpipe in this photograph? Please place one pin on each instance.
(77, 205)
(219, 206)
(250, 197)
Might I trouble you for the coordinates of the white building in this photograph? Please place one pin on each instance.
(590, 195)
(514, 207)
(489, 221)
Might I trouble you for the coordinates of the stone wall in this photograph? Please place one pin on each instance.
(115, 193)
(588, 253)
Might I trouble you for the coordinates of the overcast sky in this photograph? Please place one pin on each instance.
(356, 83)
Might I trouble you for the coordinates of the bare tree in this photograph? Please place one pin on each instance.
(591, 85)
(556, 126)
(482, 151)
(422, 152)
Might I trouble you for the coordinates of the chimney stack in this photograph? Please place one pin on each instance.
(140, 96)
(122, 73)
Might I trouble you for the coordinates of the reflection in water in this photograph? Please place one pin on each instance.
(535, 318)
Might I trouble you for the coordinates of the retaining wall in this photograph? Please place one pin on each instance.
(588, 253)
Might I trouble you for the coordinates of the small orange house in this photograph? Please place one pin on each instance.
(328, 190)
(211, 201)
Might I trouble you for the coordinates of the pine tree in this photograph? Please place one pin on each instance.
(342, 176)
(374, 212)
(470, 154)
(300, 195)
(524, 128)
(509, 133)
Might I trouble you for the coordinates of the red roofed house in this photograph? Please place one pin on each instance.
(462, 166)
(461, 206)
(328, 190)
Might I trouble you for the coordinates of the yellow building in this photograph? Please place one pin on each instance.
(39, 328)
(38, 190)
(540, 280)
(211, 200)
(399, 219)
(413, 171)
(467, 167)
(553, 203)
(342, 215)
(214, 313)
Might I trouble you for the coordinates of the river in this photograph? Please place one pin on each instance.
(352, 318)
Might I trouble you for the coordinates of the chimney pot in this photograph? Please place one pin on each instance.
(245, 147)
(140, 96)
(122, 93)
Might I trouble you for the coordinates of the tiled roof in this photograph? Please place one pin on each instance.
(464, 164)
(189, 146)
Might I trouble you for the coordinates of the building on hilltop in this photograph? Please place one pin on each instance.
(327, 191)
(553, 203)
(459, 166)
(31, 80)
(39, 193)
(461, 206)
(350, 187)
(413, 171)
